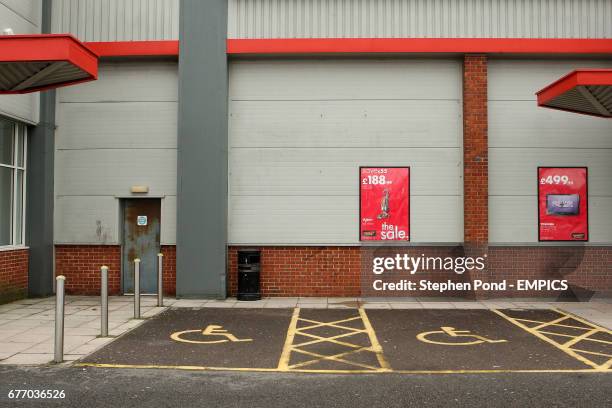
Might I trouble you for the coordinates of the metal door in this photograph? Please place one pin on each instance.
(141, 218)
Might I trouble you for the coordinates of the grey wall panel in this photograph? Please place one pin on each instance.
(94, 220)
(600, 224)
(419, 18)
(523, 136)
(128, 82)
(356, 123)
(87, 220)
(519, 80)
(114, 171)
(514, 171)
(23, 17)
(112, 134)
(344, 79)
(168, 223)
(127, 125)
(552, 127)
(29, 10)
(299, 130)
(24, 108)
(24, 20)
(514, 219)
(334, 171)
(332, 220)
(117, 20)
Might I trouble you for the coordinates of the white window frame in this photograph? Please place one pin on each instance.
(15, 168)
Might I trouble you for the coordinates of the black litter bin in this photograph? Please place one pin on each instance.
(249, 261)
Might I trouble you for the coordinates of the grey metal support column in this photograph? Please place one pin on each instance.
(40, 193)
(202, 150)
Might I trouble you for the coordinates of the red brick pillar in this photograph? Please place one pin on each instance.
(475, 159)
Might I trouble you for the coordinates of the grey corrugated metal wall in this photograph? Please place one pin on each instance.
(300, 129)
(117, 20)
(114, 133)
(523, 137)
(419, 18)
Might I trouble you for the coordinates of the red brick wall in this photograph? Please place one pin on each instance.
(587, 269)
(169, 264)
(80, 264)
(337, 271)
(475, 150)
(304, 271)
(13, 275)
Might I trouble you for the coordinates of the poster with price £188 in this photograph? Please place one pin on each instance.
(384, 203)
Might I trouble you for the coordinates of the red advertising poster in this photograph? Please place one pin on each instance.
(562, 204)
(384, 203)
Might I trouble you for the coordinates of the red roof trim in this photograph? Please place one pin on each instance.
(134, 48)
(419, 45)
(579, 77)
(49, 47)
(583, 76)
(365, 45)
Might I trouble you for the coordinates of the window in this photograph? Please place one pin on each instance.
(12, 182)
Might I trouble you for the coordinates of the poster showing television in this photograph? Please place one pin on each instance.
(384, 203)
(562, 204)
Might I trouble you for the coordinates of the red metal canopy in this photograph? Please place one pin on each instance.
(31, 63)
(586, 91)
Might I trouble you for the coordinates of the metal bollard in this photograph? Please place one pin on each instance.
(160, 282)
(59, 319)
(136, 288)
(104, 302)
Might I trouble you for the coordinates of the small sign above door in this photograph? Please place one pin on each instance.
(141, 220)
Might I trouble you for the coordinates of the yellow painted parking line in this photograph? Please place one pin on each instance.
(376, 347)
(275, 370)
(174, 367)
(567, 346)
(283, 363)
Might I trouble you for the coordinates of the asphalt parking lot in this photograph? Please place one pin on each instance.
(359, 342)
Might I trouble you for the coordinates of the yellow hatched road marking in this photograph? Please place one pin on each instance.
(319, 338)
(551, 323)
(329, 324)
(556, 324)
(593, 352)
(581, 320)
(290, 346)
(566, 347)
(583, 336)
(336, 357)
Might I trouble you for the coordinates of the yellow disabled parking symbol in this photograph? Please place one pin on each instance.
(456, 337)
(213, 331)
